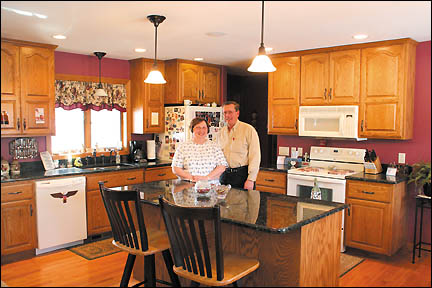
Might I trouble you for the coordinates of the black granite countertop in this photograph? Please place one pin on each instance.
(247, 208)
(38, 173)
(379, 178)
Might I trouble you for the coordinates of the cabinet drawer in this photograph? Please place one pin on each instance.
(369, 191)
(16, 192)
(272, 179)
(158, 174)
(114, 179)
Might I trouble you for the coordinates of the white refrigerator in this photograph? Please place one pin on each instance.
(177, 129)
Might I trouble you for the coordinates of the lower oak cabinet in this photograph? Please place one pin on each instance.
(272, 181)
(18, 217)
(158, 174)
(376, 219)
(97, 218)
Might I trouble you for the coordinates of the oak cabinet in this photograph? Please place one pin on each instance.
(284, 96)
(158, 174)
(187, 80)
(331, 78)
(387, 91)
(376, 219)
(147, 100)
(272, 181)
(97, 218)
(18, 218)
(27, 88)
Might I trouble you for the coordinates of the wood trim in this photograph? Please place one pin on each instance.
(84, 78)
(345, 47)
(28, 43)
(87, 129)
(178, 60)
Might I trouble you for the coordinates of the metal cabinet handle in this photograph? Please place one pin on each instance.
(269, 180)
(199, 94)
(14, 193)
(106, 181)
(296, 124)
(202, 94)
(349, 210)
(24, 124)
(18, 124)
(132, 178)
(325, 93)
(361, 126)
(31, 210)
(163, 174)
(147, 123)
(366, 192)
(330, 93)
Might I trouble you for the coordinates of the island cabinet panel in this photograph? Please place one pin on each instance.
(147, 100)
(97, 218)
(387, 91)
(18, 218)
(27, 93)
(376, 220)
(190, 80)
(272, 181)
(284, 96)
(158, 174)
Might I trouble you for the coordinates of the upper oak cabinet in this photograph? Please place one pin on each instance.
(27, 88)
(188, 80)
(331, 78)
(284, 96)
(387, 91)
(147, 100)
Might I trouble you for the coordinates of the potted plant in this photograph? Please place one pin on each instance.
(421, 176)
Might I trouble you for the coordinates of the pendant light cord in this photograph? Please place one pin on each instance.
(100, 84)
(155, 63)
(262, 25)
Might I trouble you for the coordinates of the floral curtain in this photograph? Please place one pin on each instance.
(77, 94)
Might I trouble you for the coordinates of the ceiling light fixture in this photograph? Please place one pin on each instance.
(198, 59)
(140, 50)
(155, 76)
(59, 36)
(360, 36)
(262, 62)
(100, 92)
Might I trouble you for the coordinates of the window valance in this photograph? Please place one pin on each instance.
(77, 94)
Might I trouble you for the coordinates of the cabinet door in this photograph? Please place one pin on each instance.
(154, 103)
(382, 79)
(189, 81)
(344, 83)
(10, 88)
(284, 96)
(97, 218)
(314, 79)
(367, 225)
(37, 90)
(18, 226)
(210, 84)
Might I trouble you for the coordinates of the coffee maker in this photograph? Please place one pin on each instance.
(136, 151)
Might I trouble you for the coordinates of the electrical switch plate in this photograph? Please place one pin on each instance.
(284, 151)
(401, 158)
(300, 151)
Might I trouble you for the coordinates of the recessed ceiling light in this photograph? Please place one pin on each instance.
(198, 59)
(360, 36)
(268, 49)
(59, 36)
(215, 34)
(25, 13)
(140, 50)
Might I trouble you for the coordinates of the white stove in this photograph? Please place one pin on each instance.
(328, 166)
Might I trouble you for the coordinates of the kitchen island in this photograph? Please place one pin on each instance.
(297, 241)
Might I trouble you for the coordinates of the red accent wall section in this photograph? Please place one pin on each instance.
(88, 65)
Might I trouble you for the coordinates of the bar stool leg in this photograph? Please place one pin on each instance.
(169, 265)
(421, 226)
(149, 271)
(127, 270)
(415, 234)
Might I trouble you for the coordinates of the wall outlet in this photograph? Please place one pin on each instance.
(284, 151)
(401, 158)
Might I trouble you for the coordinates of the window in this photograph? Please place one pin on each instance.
(80, 131)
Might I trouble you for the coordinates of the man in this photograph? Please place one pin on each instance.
(240, 143)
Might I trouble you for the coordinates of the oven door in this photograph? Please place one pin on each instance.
(331, 189)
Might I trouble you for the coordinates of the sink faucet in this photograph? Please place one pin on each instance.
(94, 156)
(111, 155)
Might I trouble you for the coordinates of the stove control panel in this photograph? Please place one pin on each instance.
(337, 154)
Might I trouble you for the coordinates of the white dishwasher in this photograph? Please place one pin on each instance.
(61, 213)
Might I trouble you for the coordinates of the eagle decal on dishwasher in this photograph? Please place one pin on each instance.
(64, 196)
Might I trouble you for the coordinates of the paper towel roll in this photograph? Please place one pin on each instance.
(151, 150)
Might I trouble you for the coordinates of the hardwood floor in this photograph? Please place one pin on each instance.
(64, 268)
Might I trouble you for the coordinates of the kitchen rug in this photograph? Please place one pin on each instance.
(348, 262)
(96, 249)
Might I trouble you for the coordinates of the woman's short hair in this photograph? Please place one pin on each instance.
(196, 121)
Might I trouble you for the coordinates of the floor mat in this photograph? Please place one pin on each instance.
(348, 262)
(96, 249)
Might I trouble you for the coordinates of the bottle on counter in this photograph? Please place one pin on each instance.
(316, 191)
(117, 157)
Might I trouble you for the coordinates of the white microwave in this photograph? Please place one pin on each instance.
(329, 121)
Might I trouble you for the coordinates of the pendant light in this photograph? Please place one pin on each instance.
(155, 76)
(100, 92)
(262, 62)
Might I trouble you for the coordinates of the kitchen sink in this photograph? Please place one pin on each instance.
(108, 167)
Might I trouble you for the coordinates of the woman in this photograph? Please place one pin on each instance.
(199, 158)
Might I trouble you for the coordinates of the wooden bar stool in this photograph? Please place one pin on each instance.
(118, 205)
(194, 258)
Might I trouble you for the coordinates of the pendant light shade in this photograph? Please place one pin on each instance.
(100, 92)
(155, 76)
(262, 62)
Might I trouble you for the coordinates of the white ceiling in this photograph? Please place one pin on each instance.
(118, 27)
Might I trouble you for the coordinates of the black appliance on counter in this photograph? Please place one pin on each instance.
(137, 150)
